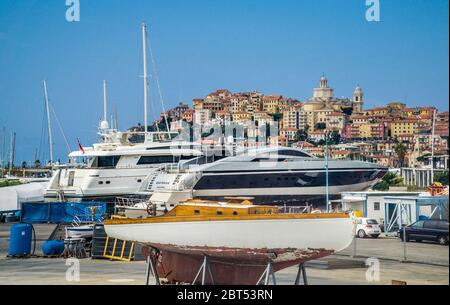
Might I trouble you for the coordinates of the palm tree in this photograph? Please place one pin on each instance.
(401, 150)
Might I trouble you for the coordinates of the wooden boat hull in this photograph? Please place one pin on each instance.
(229, 266)
(238, 248)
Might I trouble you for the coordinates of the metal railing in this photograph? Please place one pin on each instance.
(297, 209)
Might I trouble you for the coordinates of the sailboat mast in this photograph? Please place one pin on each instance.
(11, 152)
(3, 150)
(49, 123)
(144, 52)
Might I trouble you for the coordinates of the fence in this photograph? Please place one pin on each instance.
(63, 212)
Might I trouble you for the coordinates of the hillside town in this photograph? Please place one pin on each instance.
(393, 135)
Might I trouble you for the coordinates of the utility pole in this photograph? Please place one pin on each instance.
(432, 147)
(326, 172)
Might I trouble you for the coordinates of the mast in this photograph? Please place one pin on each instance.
(49, 124)
(144, 52)
(11, 152)
(104, 101)
(104, 126)
(3, 150)
(116, 118)
(432, 147)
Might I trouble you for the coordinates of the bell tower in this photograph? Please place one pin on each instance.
(358, 99)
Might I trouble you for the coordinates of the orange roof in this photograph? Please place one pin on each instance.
(272, 97)
(406, 121)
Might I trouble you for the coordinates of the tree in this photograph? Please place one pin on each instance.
(347, 110)
(441, 177)
(320, 126)
(277, 116)
(335, 137)
(302, 135)
(401, 150)
(390, 179)
(37, 163)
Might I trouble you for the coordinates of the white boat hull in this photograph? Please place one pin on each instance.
(325, 233)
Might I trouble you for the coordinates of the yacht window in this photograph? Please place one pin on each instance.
(100, 182)
(196, 212)
(162, 159)
(219, 213)
(269, 159)
(235, 213)
(107, 161)
(295, 153)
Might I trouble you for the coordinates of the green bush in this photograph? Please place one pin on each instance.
(390, 179)
(441, 177)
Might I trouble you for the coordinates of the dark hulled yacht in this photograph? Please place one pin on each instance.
(277, 175)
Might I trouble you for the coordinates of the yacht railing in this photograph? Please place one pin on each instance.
(125, 202)
(300, 209)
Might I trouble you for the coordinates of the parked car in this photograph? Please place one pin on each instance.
(432, 230)
(367, 227)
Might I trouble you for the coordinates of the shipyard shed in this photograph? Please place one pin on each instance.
(395, 209)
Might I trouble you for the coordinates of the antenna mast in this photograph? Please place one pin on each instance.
(104, 101)
(144, 51)
(49, 124)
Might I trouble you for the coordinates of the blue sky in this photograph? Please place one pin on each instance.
(275, 46)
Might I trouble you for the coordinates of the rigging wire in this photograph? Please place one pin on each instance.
(61, 129)
(147, 86)
(155, 73)
(38, 156)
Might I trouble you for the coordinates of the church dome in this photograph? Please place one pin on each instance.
(358, 89)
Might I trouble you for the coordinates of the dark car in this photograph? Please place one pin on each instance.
(431, 230)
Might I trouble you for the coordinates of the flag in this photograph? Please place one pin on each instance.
(81, 146)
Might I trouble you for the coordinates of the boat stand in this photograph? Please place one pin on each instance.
(203, 269)
(301, 273)
(267, 274)
(151, 269)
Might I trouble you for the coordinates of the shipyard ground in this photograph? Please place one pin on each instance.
(426, 264)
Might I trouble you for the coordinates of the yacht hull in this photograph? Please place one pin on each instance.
(281, 195)
(88, 183)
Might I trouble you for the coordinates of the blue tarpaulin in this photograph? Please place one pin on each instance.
(62, 212)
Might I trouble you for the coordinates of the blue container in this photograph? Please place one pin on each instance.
(53, 247)
(20, 240)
